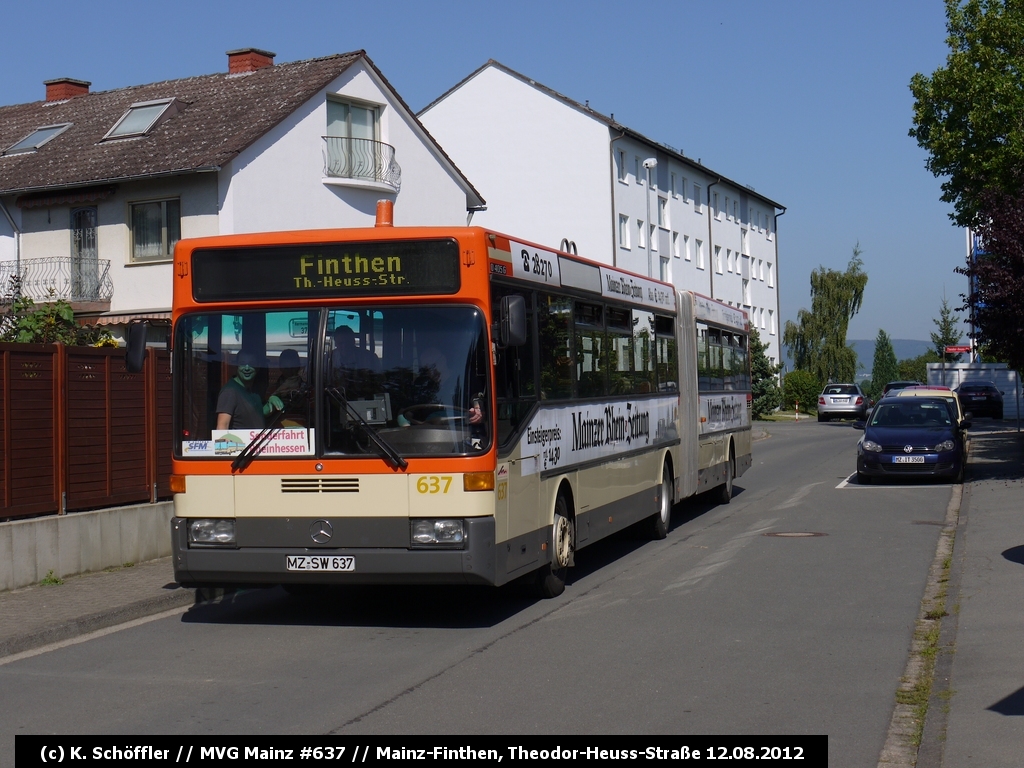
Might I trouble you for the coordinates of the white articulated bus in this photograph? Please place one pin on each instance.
(435, 405)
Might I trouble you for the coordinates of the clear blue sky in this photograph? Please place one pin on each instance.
(806, 102)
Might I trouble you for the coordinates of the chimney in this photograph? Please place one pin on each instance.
(65, 88)
(249, 60)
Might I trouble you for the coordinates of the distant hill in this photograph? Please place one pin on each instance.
(905, 349)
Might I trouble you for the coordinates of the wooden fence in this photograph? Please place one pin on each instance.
(77, 431)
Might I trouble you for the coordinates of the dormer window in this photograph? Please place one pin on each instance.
(142, 117)
(37, 138)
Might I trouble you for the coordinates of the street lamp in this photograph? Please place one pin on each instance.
(649, 163)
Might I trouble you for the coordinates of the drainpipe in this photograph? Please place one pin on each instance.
(17, 239)
(711, 242)
(778, 285)
(615, 219)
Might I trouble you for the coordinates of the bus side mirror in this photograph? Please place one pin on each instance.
(512, 322)
(135, 353)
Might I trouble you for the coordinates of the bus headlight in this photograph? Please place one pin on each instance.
(438, 533)
(212, 532)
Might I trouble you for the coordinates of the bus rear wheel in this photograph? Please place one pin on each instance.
(551, 578)
(657, 524)
(725, 489)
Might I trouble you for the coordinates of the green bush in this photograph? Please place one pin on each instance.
(802, 386)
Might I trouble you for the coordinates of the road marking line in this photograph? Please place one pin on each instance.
(796, 498)
(92, 635)
(721, 557)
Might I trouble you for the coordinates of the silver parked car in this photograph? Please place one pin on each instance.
(843, 401)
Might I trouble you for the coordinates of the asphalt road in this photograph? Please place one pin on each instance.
(720, 628)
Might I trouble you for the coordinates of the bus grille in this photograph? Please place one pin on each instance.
(319, 485)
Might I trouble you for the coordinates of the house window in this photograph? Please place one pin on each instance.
(728, 259)
(718, 259)
(654, 238)
(351, 121)
(622, 166)
(700, 254)
(682, 188)
(771, 322)
(716, 209)
(697, 206)
(37, 138)
(140, 118)
(623, 231)
(636, 170)
(686, 248)
(665, 273)
(663, 212)
(673, 184)
(641, 239)
(743, 242)
(727, 207)
(155, 228)
(771, 279)
(675, 245)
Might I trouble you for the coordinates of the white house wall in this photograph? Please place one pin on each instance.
(549, 170)
(278, 183)
(542, 166)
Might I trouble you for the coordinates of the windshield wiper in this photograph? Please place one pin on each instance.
(390, 453)
(255, 448)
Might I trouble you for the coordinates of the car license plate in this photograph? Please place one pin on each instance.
(840, 399)
(320, 563)
(908, 459)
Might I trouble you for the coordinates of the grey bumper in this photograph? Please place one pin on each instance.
(265, 565)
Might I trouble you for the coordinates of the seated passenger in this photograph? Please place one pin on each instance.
(238, 407)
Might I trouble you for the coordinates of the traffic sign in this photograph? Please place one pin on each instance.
(957, 349)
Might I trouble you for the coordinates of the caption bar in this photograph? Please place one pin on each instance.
(450, 751)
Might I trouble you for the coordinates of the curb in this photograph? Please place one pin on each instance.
(100, 620)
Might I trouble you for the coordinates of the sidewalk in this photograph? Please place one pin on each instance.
(35, 616)
(976, 713)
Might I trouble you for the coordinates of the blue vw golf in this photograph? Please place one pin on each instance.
(911, 437)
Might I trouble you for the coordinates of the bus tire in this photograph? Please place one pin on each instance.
(657, 524)
(550, 580)
(725, 489)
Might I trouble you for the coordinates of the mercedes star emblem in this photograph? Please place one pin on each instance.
(320, 531)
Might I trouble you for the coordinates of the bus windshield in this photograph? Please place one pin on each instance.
(334, 382)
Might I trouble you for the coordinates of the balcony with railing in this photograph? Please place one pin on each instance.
(77, 281)
(362, 161)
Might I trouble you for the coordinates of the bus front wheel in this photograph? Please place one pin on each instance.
(551, 578)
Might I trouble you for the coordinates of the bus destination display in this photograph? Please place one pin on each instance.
(326, 270)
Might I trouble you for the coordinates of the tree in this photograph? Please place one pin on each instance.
(818, 341)
(967, 115)
(766, 393)
(801, 387)
(949, 332)
(884, 368)
(916, 368)
(997, 278)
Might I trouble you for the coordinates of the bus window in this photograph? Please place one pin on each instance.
(620, 351)
(240, 371)
(590, 350)
(417, 376)
(643, 352)
(553, 317)
(667, 371)
(515, 389)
